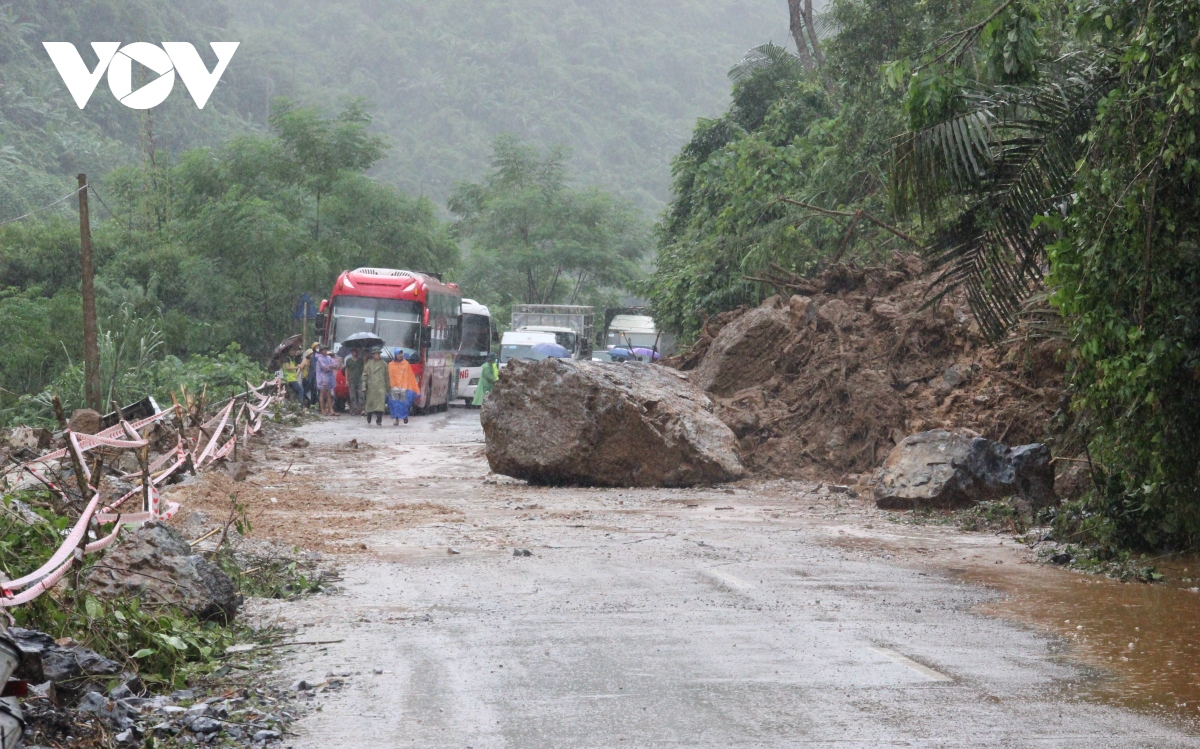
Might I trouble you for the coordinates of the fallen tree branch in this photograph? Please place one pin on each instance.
(856, 215)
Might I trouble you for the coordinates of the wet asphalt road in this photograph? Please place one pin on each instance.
(643, 621)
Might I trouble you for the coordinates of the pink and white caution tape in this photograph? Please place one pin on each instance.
(126, 436)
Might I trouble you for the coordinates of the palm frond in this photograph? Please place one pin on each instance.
(1011, 157)
(767, 57)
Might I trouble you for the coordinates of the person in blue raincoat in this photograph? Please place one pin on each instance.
(405, 388)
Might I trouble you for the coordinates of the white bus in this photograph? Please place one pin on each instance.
(475, 347)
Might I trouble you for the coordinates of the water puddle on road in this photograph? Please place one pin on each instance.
(1146, 635)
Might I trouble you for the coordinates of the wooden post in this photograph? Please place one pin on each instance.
(91, 348)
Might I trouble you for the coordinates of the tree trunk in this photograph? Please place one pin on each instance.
(811, 27)
(798, 32)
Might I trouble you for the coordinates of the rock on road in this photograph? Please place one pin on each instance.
(763, 615)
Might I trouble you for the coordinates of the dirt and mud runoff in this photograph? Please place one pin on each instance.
(765, 613)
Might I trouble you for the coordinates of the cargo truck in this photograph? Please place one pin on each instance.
(571, 325)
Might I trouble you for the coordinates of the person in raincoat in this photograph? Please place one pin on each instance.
(489, 373)
(405, 388)
(375, 387)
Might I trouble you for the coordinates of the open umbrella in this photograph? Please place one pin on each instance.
(363, 340)
(552, 351)
(286, 347)
(650, 354)
(620, 354)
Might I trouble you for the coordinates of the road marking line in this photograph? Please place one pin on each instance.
(729, 580)
(904, 660)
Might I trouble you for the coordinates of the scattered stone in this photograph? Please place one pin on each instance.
(941, 468)
(1061, 558)
(199, 710)
(156, 563)
(128, 736)
(85, 421)
(265, 736)
(299, 443)
(522, 553)
(92, 702)
(203, 725)
(452, 551)
(299, 686)
(238, 470)
(580, 422)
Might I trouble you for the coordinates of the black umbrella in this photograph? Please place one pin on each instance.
(286, 347)
(362, 340)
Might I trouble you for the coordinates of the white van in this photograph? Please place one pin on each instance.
(518, 344)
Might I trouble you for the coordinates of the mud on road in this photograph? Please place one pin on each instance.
(766, 613)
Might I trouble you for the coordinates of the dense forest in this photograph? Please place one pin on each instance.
(618, 83)
(1040, 153)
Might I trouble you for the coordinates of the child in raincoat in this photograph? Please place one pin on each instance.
(404, 387)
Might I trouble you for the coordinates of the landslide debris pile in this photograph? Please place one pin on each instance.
(830, 379)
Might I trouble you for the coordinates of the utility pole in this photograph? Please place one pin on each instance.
(91, 349)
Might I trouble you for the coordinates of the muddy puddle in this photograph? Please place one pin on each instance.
(1144, 639)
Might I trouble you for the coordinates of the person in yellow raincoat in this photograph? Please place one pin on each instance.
(405, 388)
(489, 374)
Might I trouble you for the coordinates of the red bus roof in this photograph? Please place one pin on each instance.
(391, 284)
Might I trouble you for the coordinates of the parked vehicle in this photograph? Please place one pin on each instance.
(475, 348)
(631, 328)
(571, 325)
(415, 312)
(531, 345)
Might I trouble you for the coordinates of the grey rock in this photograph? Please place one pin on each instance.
(128, 736)
(522, 553)
(588, 423)
(299, 686)
(157, 564)
(238, 470)
(941, 468)
(199, 710)
(203, 725)
(234, 732)
(166, 728)
(121, 692)
(92, 702)
(265, 736)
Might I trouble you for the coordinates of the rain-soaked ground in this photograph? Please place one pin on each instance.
(768, 613)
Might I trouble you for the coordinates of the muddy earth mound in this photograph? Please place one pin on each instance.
(592, 424)
(830, 379)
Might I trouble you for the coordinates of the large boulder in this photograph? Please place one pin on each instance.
(744, 352)
(941, 468)
(583, 422)
(156, 564)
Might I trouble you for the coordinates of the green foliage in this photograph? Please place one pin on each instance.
(1126, 271)
(213, 249)
(535, 240)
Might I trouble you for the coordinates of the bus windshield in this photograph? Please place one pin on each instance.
(476, 340)
(397, 322)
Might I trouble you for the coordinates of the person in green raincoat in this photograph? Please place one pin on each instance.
(375, 387)
(488, 376)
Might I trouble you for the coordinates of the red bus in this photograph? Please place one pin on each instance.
(414, 312)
